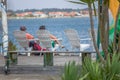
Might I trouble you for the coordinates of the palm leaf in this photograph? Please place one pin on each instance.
(76, 2)
(87, 1)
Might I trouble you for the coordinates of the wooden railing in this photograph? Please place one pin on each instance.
(50, 54)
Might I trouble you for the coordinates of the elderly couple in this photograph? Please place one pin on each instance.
(29, 36)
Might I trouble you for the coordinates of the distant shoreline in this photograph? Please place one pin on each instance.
(46, 17)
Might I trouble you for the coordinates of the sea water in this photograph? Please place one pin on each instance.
(56, 26)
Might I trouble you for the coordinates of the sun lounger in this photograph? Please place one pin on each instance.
(74, 40)
(43, 36)
(22, 41)
(46, 42)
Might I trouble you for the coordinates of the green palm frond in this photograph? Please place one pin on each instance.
(88, 1)
(85, 2)
(76, 2)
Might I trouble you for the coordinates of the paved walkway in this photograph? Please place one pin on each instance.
(31, 68)
(30, 77)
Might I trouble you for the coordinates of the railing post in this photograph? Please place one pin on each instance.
(13, 58)
(48, 59)
(87, 54)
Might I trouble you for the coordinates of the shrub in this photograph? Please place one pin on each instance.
(71, 71)
(110, 70)
(11, 46)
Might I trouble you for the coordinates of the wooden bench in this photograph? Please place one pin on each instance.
(13, 55)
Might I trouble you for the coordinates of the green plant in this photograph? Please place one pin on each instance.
(110, 47)
(71, 71)
(110, 70)
(12, 56)
(93, 68)
(11, 46)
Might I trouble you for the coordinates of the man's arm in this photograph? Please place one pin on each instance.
(29, 36)
(54, 38)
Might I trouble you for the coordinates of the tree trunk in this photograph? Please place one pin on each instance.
(93, 33)
(107, 30)
(104, 27)
(100, 26)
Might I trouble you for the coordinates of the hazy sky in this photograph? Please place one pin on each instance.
(39, 4)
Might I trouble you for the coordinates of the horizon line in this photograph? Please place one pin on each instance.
(44, 8)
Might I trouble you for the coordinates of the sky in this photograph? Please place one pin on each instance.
(39, 4)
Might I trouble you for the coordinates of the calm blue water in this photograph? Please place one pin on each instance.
(55, 25)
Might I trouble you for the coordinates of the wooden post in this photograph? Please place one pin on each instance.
(48, 59)
(13, 58)
(88, 54)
